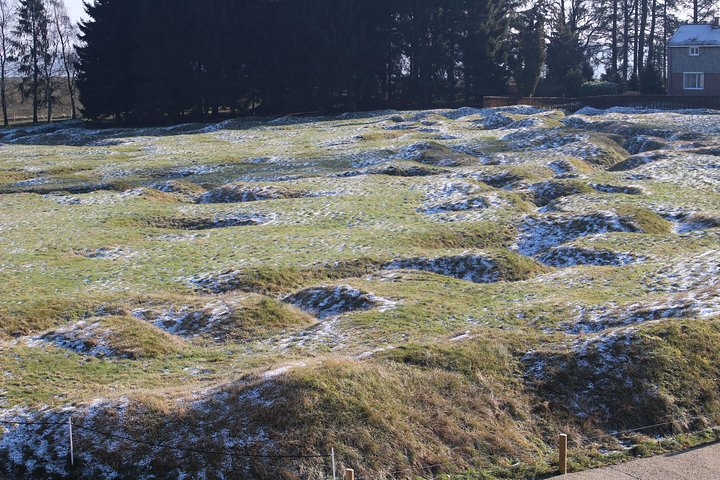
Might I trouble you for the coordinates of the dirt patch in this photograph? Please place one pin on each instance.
(691, 222)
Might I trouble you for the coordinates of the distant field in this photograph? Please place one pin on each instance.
(426, 292)
(20, 110)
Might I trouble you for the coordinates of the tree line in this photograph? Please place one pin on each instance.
(38, 45)
(169, 60)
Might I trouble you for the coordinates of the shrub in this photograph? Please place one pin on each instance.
(573, 82)
(651, 81)
(596, 88)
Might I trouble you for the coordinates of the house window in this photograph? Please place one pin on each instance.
(694, 81)
(694, 51)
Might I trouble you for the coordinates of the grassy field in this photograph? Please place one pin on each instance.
(428, 293)
(20, 108)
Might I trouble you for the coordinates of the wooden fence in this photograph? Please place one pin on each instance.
(659, 102)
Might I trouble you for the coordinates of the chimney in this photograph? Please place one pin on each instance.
(716, 22)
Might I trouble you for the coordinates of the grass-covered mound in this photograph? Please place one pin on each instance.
(427, 292)
(664, 372)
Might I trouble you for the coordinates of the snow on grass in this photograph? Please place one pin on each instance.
(110, 253)
(695, 271)
(84, 337)
(441, 191)
(472, 268)
(623, 189)
(539, 234)
(331, 301)
(453, 197)
(569, 256)
(235, 193)
(699, 303)
(187, 321)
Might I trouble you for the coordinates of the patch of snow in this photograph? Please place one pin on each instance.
(471, 268)
(539, 234)
(325, 302)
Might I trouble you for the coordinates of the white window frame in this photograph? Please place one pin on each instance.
(700, 82)
(694, 51)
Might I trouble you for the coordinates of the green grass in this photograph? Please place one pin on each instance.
(434, 381)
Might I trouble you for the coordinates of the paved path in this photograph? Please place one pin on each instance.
(697, 464)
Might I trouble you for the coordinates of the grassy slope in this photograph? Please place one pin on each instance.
(441, 375)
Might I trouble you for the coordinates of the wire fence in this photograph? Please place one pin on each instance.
(659, 102)
(162, 446)
(433, 469)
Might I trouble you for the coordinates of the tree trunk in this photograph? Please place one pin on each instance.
(626, 40)
(614, 53)
(665, 43)
(651, 40)
(71, 89)
(36, 96)
(3, 98)
(641, 35)
(636, 38)
(48, 98)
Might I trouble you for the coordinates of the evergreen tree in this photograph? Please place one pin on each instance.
(530, 50)
(651, 81)
(568, 66)
(485, 47)
(106, 58)
(32, 44)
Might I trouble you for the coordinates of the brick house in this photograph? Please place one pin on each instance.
(694, 60)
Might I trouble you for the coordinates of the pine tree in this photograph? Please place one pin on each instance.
(530, 50)
(485, 47)
(567, 64)
(32, 44)
(105, 74)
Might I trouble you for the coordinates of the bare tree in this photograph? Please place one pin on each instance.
(7, 14)
(65, 33)
(50, 61)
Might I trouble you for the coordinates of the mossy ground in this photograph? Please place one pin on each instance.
(109, 226)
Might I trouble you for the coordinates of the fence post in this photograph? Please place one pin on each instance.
(72, 447)
(334, 470)
(349, 474)
(562, 461)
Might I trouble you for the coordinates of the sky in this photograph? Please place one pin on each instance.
(75, 9)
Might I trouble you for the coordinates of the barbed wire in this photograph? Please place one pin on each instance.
(165, 446)
(646, 427)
